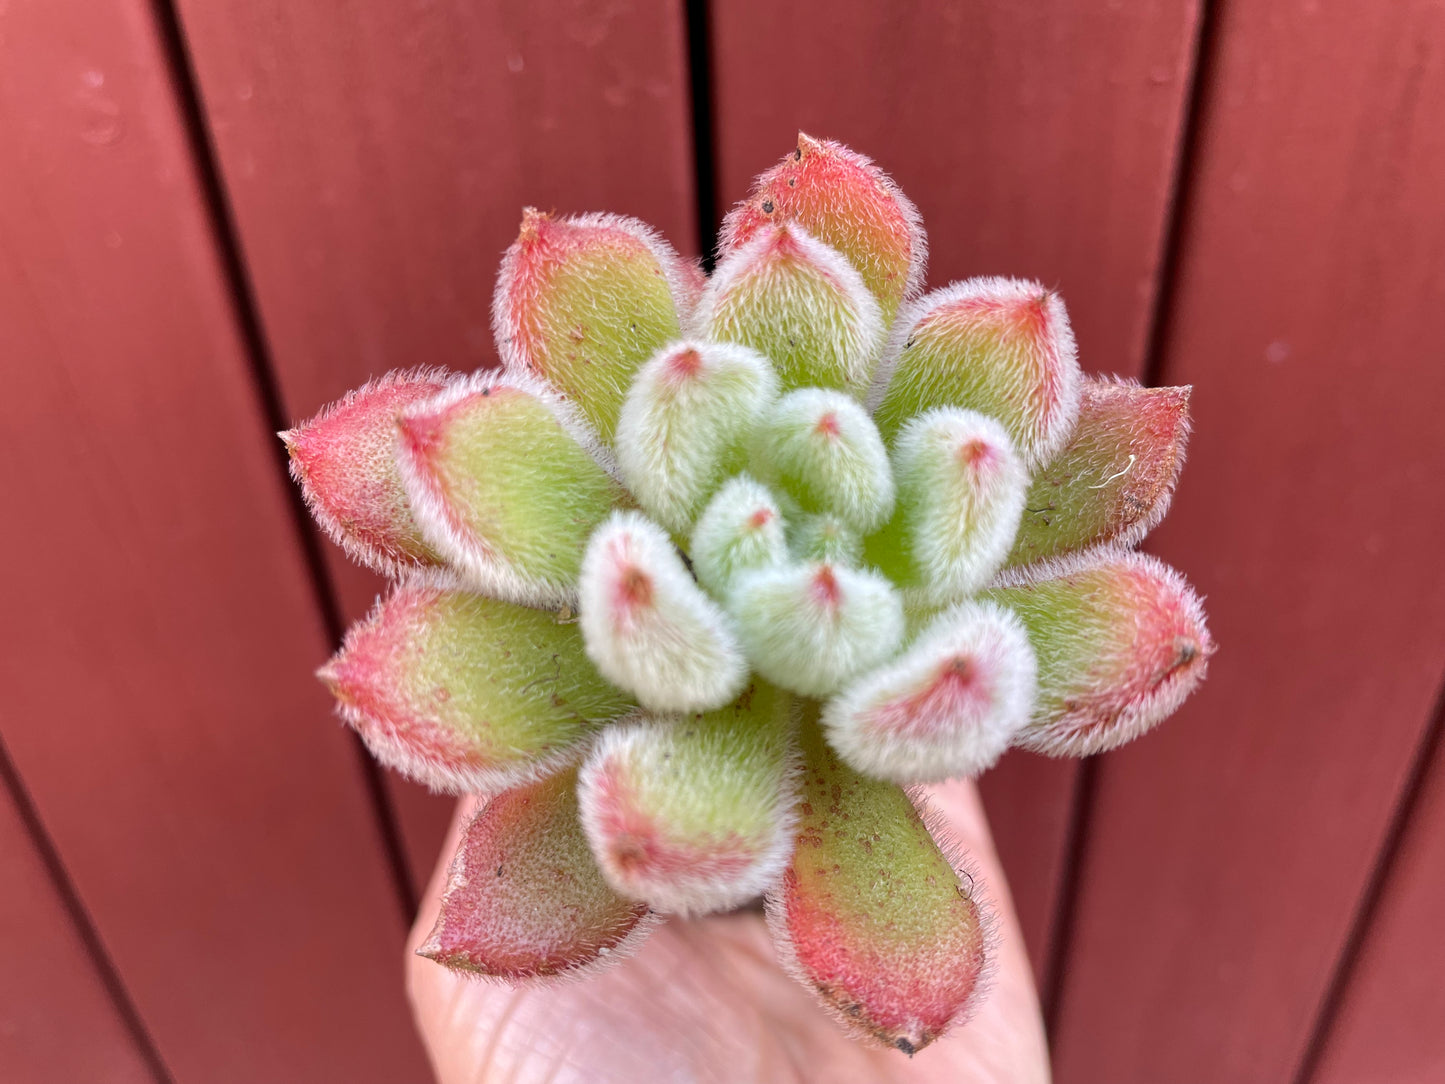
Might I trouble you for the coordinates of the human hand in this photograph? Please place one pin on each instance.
(704, 1000)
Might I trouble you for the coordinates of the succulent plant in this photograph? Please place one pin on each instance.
(713, 569)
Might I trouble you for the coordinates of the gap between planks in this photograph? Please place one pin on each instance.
(200, 140)
(80, 919)
(1407, 801)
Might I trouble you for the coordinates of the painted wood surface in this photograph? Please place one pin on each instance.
(378, 166)
(158, 700)
(57, 1021)
(1038, 140)
(1228, 853)
(1390, 1026)
(160, 628)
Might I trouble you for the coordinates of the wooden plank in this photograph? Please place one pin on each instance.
(1390, 1028)
(57, 1021)
(158, 622)
(1037, 140)
(378, 164)
(1229, 851)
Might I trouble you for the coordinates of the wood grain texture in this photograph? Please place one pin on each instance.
(57, 1021)
(1038, 140)
(1390, 1027)
(1229, 851)
(158, 625)
(378, 164)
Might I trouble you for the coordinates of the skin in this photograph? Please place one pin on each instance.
(704, 1001)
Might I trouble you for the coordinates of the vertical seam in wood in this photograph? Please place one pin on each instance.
(186, 88)
(80, 919)
(1061, 929)
(1181, 186)
(1406, 803)
(697, 17)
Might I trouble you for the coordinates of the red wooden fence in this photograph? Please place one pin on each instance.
(216, 215)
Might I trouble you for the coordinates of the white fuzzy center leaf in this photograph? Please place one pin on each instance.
(647, 625)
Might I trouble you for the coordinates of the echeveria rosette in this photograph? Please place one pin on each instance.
(712, 570)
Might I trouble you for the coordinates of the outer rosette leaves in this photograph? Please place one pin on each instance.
(1120, 640)
(477, 461)
(525, 900)
(948, 707)
(871, 914)
(800, 303)
(822, 449)
(585, 301)
(814, 627)
(961, 492)
(694, 814)
(1114, 479)
(344, 459)
(466, 693)
(686, 422)
(649, 627)
(848, 203)
(1002, 347)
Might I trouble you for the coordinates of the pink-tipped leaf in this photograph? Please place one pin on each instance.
(1120, 639)
(344, 460)
(872, 915)
(694, 814)
(1114, 479)
(1002, 347)
(848, 203)
(524, 899)
(813, 627)
(799, 303)
(822, 449)
(948, 707)
(685, 425)
(649, 627)
(741, 528)
(466, 693)
(507, 484)
(961, 489)
(584, 301)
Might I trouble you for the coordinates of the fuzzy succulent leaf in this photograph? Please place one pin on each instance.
(685, 425)
(826, 537)
(740, 529)
(649, 627)
(1002, 347)
(525, 900)
(344, 460)
(812, 627)
(848, 203)
(585, 301)
(802, 304)
(1114, 479)
(694, 814)
(821, 448)
(871, 914)
(1120, 639)
(948, 707)
(475, 459)
(960, 495)
(466, 693)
